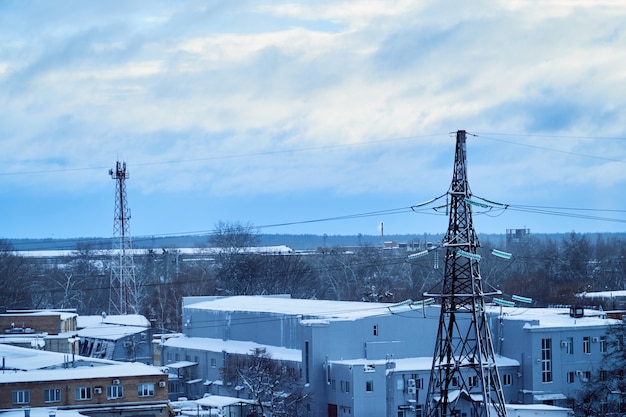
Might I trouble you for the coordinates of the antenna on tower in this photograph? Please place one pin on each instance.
(464, 378)
(123, 297)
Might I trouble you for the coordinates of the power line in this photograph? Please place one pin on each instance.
(552, 149)
(417, 208)
(232, 156)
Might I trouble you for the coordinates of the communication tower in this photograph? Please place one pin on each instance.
(464, 378)
(123, 289)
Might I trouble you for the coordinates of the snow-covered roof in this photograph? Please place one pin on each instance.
(422, 363)
(552, 317)
(60, 253)
(219, 401)
(110, 332)
(603, 294)
(122, 319)
(307, 309)
(31, 359)
(83, 372)
(42, 412)
(233, 346)
(64, 315)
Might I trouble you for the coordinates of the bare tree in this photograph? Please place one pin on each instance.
(604, 394)
(272, 384)
(234, 237)
(16, 279)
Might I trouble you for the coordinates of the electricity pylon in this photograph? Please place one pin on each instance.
(123, 296)
(464, 378)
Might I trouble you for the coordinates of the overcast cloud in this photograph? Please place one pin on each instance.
(275, 112)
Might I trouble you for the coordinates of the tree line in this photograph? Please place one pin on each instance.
(547, 270)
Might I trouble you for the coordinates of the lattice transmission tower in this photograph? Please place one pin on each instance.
(123, 298)
(464, 379)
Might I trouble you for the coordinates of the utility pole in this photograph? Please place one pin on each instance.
(464, 378)
(123, 298)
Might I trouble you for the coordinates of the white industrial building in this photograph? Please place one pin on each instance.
(373, 359)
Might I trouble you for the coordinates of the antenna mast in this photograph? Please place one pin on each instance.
(123, 290)
(464, 378)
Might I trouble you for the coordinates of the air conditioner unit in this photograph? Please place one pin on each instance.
(411, 390)
(116, 382)
(410, 383)
(579, 373)
(595, 339)
(563, 343)
(162, 384)
(97, 390)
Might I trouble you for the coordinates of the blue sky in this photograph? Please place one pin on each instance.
(277, 114)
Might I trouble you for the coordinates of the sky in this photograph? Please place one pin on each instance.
(326, 117)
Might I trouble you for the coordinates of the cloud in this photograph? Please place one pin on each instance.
(211, 97)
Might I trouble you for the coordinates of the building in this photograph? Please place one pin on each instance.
(372, 359)
(194, 363)
(42, 329)
(557, 348)
(307, 334)
(126, 338)
(122, 338)
(31, 378)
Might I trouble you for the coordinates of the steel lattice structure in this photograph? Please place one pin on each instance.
(464, 378)
(123, 289)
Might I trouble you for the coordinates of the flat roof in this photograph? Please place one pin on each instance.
(305, 309)
(552, 317)
(83, 372)
(232, 346)
(421, 363)
(27, 359)
(110, 332)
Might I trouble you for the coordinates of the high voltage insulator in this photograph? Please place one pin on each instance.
(123, 296)
(464, 378)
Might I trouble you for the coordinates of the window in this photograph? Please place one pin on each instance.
(145, 390)
(546, 360)
(21, 397)
(376, 330)
(570, 377)
(52, 395)
(587, 344)
(213, 363)
(472, 380)
(347, 386)
(603, 345)
(115, 391)
(507, 379)
(83, 393)
(369, 386)
(586, 376)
